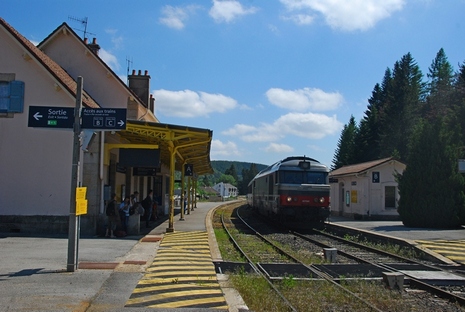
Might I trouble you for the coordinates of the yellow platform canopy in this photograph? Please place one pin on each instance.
(188, 145)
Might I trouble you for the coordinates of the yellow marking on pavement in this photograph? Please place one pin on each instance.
(182, 275)
(454, 250)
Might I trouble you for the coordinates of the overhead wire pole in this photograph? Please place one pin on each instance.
(73, 227)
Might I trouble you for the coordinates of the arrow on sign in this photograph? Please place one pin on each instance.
(37, 116)
(120, 123)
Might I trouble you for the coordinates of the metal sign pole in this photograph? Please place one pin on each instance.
(73, 226)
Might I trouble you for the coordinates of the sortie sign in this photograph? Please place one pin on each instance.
(51, 117)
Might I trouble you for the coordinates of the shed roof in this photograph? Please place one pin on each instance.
(359, 168)
(51, 66)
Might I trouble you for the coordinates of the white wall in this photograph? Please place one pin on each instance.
(98, 82)
(35, 163)
(370, 196)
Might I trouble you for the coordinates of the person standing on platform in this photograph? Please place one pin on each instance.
(185, 202)
(147, 203)
(112, 213)
(134, 198)
(124, 210)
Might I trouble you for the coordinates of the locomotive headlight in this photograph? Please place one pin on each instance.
(319, 200)
(289, 199)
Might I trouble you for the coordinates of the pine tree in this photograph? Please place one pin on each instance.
(402, 107)
(460, 81)
(232, 171)
(431, 189)
(440, 86)
(345, 151)
(205, 181)
(367, 140)
(247, 176)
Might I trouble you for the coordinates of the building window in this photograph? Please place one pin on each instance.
(390, 197)
(11, 96)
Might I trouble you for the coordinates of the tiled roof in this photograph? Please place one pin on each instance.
(359, 168)
(55, 70)
(65, 27)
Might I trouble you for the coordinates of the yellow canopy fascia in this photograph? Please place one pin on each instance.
(191, 145)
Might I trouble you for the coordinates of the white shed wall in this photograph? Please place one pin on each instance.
(370, 197)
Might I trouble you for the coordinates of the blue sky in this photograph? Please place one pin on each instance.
(271, 78)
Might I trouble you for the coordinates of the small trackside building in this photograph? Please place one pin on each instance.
(367, 190)
(226, 190)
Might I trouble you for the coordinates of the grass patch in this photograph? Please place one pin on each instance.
(227, 249)
(257, 293)
(391, 248)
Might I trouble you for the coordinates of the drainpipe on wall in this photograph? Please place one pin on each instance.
(102, 158)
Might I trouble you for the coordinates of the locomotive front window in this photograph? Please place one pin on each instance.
(291, 177)
(302, 177)
(316, 177)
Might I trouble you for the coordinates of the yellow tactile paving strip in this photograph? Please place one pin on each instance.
(453, 250)
(182, 275)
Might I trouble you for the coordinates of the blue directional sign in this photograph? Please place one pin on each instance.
(51, 117)
(103, 118)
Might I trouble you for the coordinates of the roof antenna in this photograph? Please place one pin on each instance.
(83, 21)
(128, 62)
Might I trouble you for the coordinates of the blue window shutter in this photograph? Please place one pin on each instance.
(16, 96)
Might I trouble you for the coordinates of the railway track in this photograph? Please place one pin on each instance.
(449, 283)
(290, 259)
(287, 251)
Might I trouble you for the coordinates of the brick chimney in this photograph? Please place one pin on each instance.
(93, 46)
(140, 85)
(152, 103)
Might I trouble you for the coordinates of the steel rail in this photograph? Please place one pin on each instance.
(310, 267)
(413, 280)
(291, 307)
(341, 252)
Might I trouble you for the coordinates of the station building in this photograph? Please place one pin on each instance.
(367, 190)
(36, 161)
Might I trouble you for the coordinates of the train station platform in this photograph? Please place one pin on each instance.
(114, 273)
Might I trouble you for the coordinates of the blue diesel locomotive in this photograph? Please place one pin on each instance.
(294, 191)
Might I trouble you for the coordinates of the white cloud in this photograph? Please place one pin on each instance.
(300, 19)
(304, 99)
(263, 133)
(220, 149)
(346, 15)
(109, 59)
(239, 130)
(228, 10)
(278, 148)
(175, 17)
(188, 104)
(116, 39)
(309, 125)
(316, 148)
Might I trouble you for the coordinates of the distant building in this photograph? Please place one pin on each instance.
(225, 189)
(366, 190)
